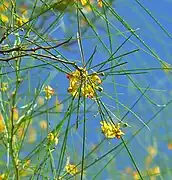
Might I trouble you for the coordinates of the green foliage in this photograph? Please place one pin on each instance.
(84, 94)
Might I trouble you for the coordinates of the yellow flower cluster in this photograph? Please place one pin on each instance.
(53, 138)
(4, 18)
(169, 145)
(20, 20)
(3, 7)
(152, 151)
(111, 130)
(166, 67)
(32, 135)
(71, 169)
(49, 91)
(84, 2)
(2, 125)
(68, 5)
(4, 87)
(25, 169)
(3, 177)
(152, 173)
(100, 3)
(80, 80)
(43, 124)
(15, 113)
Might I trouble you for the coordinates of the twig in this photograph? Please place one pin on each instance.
(19, 48)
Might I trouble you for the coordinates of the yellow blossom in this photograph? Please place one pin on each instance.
(83, 2)
(2, 125)
(166, 67)
(148, 160)
(4, 6)
(2, 176)
(49, 92)
(53, 138)
(88, 83)
(32, 135)
(100, 3)
(21, 20)
(136, 175)
(111, 130)
(40, 100)
(71, 169)
(83, 22)
(4, 18)
(128, 170)
(155, 171)
(15, 113)
(152, 151)
(68, 5)
(25, 169)
(21, 131)
(87, 9)
(4, 87)
(170, 145)
(43, 124)
(27, 163)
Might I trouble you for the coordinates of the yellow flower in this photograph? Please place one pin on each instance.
(2, 125)
(15, 113)
(166, 67)
(4, 18)
(71, 169)
(21, 20)
(68, 5)
(111, 130)
(4, 6)
(49, 92)
(4, 87)
(32, 135)
(152, 151)
(21, 131)
(155, 171)
(43, 124)
(83, 2)
(2, 176)
(53, 138)
(128, 170)
(88, 83)
(170, 145)
(136, 175)
(40, 100)
(100, 3)
(25, 169)
(148, 160)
